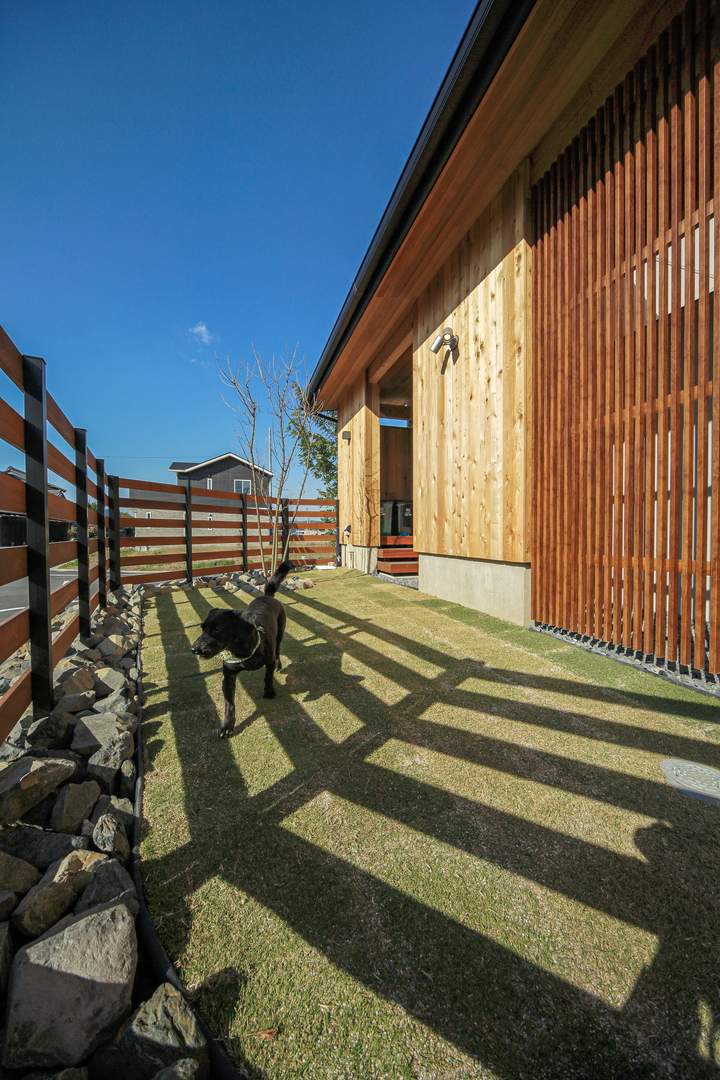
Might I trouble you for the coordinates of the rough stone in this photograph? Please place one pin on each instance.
(73, 703)
(162, 1031)
(108, 681)
(73, 805)
(109, 836)
(115, 646)
(16, 874)
(70, 989)
(128, 776)
(50, 733)
(120, 809)
(104, 766)
(5, 954)
(63, 1074)
(78, 763)
(185, 1069)
(25, 782)
(78, 682)
(67, 667)
(110, 882)
(55, 893)
(10, 752)
(120, 701)
(93, 655)
(127, 720)
(8, 903)
(40, 815)
(92, 733)
(37, 847)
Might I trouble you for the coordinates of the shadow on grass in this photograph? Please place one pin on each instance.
(505, 1011)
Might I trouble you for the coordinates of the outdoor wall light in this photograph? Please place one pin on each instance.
(346, 436)
(346, 530)
(447, 338)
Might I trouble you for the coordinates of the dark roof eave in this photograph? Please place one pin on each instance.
(492, 29)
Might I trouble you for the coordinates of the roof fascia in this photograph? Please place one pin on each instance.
(221, 457)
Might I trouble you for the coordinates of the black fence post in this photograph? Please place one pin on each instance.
(338, 551)
(188, 532)
(102, 566)
(81, 525)
(244, 533)
(114, 530)
(38, 534)
(285, 518)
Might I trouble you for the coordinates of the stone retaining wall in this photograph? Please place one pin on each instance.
(68, 940)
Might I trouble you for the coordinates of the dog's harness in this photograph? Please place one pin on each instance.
(228, 658)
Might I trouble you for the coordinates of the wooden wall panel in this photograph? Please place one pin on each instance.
(358, 464)
(470, 408)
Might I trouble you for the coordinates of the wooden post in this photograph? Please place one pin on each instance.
(114, 530)
(36, 503)
(188, 532)
(81, 524)
(102, 567)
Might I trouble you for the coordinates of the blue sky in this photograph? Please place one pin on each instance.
(185, 177)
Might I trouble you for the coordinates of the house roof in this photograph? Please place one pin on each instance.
(190, 466)
(20, 475)
(492, 29)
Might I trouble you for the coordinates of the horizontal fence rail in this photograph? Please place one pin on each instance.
(118, 530)
(626, 545)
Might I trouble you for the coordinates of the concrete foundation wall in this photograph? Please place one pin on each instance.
(495, 588)
(359, 558)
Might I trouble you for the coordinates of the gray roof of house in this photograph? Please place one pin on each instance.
(20, 475)
(189, 466)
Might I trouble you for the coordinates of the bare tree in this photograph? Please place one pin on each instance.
(275, 418)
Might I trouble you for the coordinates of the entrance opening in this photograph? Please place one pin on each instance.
(396, 555)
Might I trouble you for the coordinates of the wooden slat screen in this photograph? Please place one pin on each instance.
(626, 532)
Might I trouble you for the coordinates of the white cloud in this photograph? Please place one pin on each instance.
(202, 333)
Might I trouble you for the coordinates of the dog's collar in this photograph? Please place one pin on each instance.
(227, 656)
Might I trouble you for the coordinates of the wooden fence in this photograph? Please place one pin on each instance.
(196, 526)
(626, 545)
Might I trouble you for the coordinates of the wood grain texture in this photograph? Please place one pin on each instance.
(359, 464)
(626, 545)
(470, 406)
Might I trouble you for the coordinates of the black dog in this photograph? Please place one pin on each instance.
(253, 636)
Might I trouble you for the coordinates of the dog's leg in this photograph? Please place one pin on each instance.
(230, 674)
(278, 640)
(269, 673)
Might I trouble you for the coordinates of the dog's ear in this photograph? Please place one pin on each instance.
(247, 620)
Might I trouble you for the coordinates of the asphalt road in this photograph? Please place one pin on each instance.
(14, 597)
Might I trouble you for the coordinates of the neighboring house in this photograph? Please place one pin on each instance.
(225, 473)
(549, 449)
(13, 527)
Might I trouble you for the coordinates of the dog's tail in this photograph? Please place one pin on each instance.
(278, 577)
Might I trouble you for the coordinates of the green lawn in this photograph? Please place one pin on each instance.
(444, 850)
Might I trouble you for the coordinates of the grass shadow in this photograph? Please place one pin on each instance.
(497, 1007)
